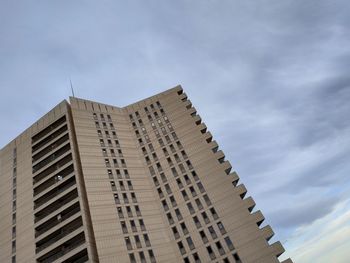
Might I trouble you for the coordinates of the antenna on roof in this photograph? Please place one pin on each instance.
(71, 87)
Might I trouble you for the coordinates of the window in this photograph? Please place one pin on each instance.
(178, 214)
(201, 187)
(150, 146)
(190, 243)
(211, 252)
(212, 232)
(190, 208)
(205, 217)
(116, 199)
(165, 151)
(184, 194)
(137, 241)
(125, 198)
(124, 227)
(168, 189)
(184, 228)
(187, 179)
(142, 225)
(147, 241)
(151, 256)
(207, 200)
(189, 164)
(128, 243)
(138, 211)
(199, 204)
(173, 170)
(181, 247)
(182, 168)
(133, 197)
(128, 211)
(165, 205)
(177, 158)
(175, 232)
(163, 177)
(196, 258)
(121, 184)
(179, 183)
(221, 228)
(179, 145)
(13, 246)
(161, 142)
(170, 218)
(194, 175)
(220, 248)
(172, 148)
(132, 258)
(173, 201)
(155, 158)
(120, 212)
(204, 237)
(229, 243)
(193, 192)
(160, 193)
(213, 212)
(197, 222)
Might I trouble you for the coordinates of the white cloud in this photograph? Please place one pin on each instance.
(325, 240)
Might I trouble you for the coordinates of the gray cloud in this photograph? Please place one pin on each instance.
(270, 79)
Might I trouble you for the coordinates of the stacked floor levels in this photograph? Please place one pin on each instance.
(90, 182)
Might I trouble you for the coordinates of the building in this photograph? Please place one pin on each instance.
(90, 182)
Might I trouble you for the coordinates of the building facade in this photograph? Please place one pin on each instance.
(90, 182)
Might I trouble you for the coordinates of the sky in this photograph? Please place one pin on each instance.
(270, 79)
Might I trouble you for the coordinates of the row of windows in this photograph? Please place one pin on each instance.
(124, 184)
(194, 194)
(142, 257)
(102, 117)
(14, 205)
(137, 243)
(163, 177)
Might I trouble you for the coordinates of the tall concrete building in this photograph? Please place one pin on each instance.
(90, 182)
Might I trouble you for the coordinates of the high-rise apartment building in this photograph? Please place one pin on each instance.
(90, 182)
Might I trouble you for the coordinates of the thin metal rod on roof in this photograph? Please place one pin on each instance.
(71, 87)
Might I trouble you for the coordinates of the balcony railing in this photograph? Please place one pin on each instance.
(56, 205)
(51, 158)
(48, 129)
(54, 192)
(59, 234)
(64, 215)
(63, 249)
(49, 138)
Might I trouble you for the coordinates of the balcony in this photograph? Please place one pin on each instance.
(56, 205)
(58, 234)
(57, 219)
(48, 129)
(49, 138)
(53, 168)
(54, 192)
(80, 257)
(51, 147)
(58, 178)
(51, 158)
(63, 249)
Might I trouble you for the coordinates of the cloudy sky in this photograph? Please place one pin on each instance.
(270, 78)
